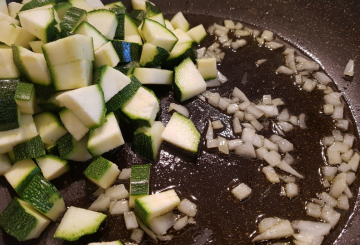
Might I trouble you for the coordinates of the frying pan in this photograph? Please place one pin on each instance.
(326, 30)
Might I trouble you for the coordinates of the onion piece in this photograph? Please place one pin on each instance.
(347, 156)
(349, 69)
(338, 185)
(266, 99)
(302, 123)
(239, 94)
(238, 26)
(210, 131)
(322, 77)
(285, 126)
(137, 235)
(308, 66)
(327, 199)
(270, 174)
(256, 125)
(261, 152)
(232, 108)
(117, 192)
(211, 30)
(260, 40)
(223, 145)
(277, 102)
(125, 174)
(130, 220)
(285, 70)
(292, 190)
(240, 115)
(242, 33)
(180, 109)
(201, 52)
(284, 116)
(246, 150)
(187, 207)
(260, 62)
(303, 238)
(309, 85)
(273, 45)
(254, 111)
(165, 238)
(229, 24)
(337, 135)
(258, 141)
(214, 99)
(228, 43)
(223, 103)
(267, 35)
(343, 202)
(272, 158)
(330, 215)
(270, 145)
(298, 79)
(222, 28)
(238, 43)
(288, 159)
(287, 168)
(101, 204)
(269, 110)
(234, 143)
(212, 143)
(147, 230)
(213, 46)
(248, 135)
(313, 210)
(223, 39)
(256, 33)
(191, 221)
(213, 83)
(206, 94)
(161, 224)
(221, 77)
(237, 125)
(283, 229)
(328, 109)
(354, 162)
(241, 191)
(329, 172)
(315, 228)
(119, 207)
(181, 223)
(267, 223)
(98, 192)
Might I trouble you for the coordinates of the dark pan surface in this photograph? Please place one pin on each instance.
(325, 30)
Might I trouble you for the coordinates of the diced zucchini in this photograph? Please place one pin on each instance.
(10, 138)
(182, 36)
(142, 108)
(21, 173)
(3, 7)
(44, 91)
(138, 4)
(11, 156)
(104, 21)
(151, 9)
(158, 18)
(69, 49)
(4, 46)
(107, 243)
(129, 26)
(110, 80)
(198, 33)
(106, 137)
(181, 131)
(207, 68)
(25, 97)
(42, 23)
(124, 95)
(139, 182)
(154, 76)
(188, 81)
(179, 22)
(159, 35)
(8, 19)
(126, 51)
(152, 56)
(52, 166)
(75, 127)
(52, 149)
(149, 207)
(169, 25)
(5, 163)
(12, 34)
(87, 104)
(39, 4)
(120, 15)
(81, 4)
(70, 149)
(44, 197)
(8, 69)
(133, 39)
(51, 104)
(115, 4)
(73, 75)
(87, 29)
(78, 222)
(62, 8)
(49, 127)
(9, 113)
(128, 68)
(31, 65)
(36, 46)
(106, 55)
(73, 17)
(96, 4)
(179, 53)
(14, 9)
(147, 141)
(102, 172)
(22, 221)
(28, 149)
(138, 16)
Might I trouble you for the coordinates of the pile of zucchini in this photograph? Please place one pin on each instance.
(69, 72)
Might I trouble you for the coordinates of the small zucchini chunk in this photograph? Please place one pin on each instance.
(102, 172)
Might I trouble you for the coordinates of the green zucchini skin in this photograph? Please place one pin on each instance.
(128, 68)
(126, 51)
(9, 115)
(31, 148)
(70, 21)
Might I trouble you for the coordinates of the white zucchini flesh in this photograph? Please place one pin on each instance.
(36, 46)
(96, 4)
(181, 131)
(35, 66)
(14, 8)
(80, 153)
(75, 127)
(182, 36)
(12, 34)
(78, 222)
(133, 39)
(106, 137)
(104, 21)
(49, 127)
(112, 82)
(69, 49)
(153, 76)
(27, 106)
(10, 138)
(73, 75)
(179, 22)
(81, 4)
(87, 104)
(106, 55)
(3, 7)
(159, 18)
(158, 35)
(130, 27)
(52, 166)
(207, 68)
(19, 172)
(197, 33)
(138, 4)
(87, 29)
(169, 25)
(7, 66)
(37, 21)
(5, 164)
(7, 18)
(107, 243)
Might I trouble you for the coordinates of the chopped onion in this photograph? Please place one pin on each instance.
(287, 178)
(309, 85)
(347, 156)
(349, 139)
(239, 94)
(212, 143)
(213, 83)
(247, 125)
(274, 45)
(317, 201)
(117, 192)
(338, 185)
(260, 40)
(288, 51)
(269, 110)
(221, 77)
(287, 168)
(273, 158)
(328, 140)
(201, 52)
(284, 116)
(330, 215)
(283, 229)
(222, 28)
(256, 33)
(191, 221)
(327, 199)
(238, 43)
(325, 183)
(258, 141)
(248, 135)
(119, 207)
(277, 102)
(223, 103)
(211, 30)
(101, 204)
(285, 70)
(181, 223)
(161, 224)
(242, 33)
(322, 77)
(238, 26)
(267, 223)
(248, 29)
(232, 108)
(147, 230)
(241, 191)
(290, 62)
(285, 126)
(298, 79)
(248, 116)
(343, 202)
(254, 111)
(261, 152)
(179, 108)
(270, 174)
(329, 172)
(240, 115)
(348, 193)
(302, 123)
(223, 145)
(270, 145)
(328, 109)
(229, 24)
(301, 59)
(349, 69)
(333, 99)
(303, 238)
(228, 43)
(210, 131)
(236, 125)
(125, 174)
(165, 238)
(292, 190)
(338, 112)
(342, 124)
(256, 125)
(98, 192)
(214, 99)
(187, 207)
(213, 55)
(223, 39)
(137, 235)
(337, 135)
(206, 94)
(315, 228)
(313, 210)
(267, 35)
(221, 56)
(260, 62)
(130, 220)
(285, 145)
(246, 150)
(307, 66)
(244, 105)
(321, 86)
(354, 162)
(234, 143)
